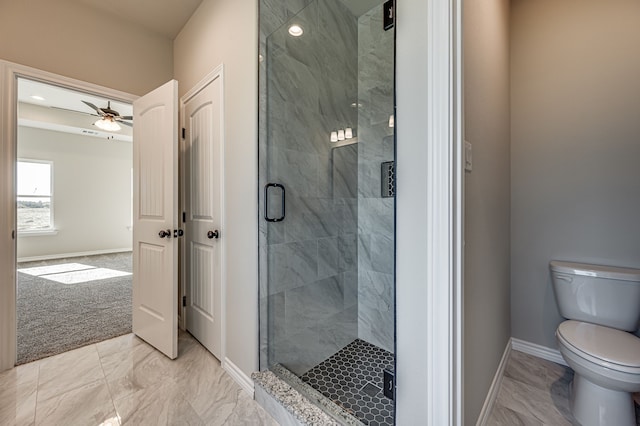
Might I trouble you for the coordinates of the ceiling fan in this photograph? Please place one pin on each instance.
(110, 119)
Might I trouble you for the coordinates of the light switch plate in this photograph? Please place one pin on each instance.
(468, 156)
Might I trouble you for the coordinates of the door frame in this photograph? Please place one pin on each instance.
(429, 212)
(216, 73)
(9, 74)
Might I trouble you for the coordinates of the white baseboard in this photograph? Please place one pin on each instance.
(238, 375)
(543, 352)
(65, 255)
(495, 387)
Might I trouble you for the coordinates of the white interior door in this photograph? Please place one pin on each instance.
(204, 159)
(155, 209)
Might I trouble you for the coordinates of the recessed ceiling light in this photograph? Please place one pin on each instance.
(296, 30)
(37, 98)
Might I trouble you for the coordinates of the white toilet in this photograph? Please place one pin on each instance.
(602, 304)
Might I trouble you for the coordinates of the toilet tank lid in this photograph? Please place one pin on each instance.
(600, 271)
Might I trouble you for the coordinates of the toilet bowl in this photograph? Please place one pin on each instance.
(601, 304)
(606, 363)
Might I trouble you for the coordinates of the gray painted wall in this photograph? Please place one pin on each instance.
(487, 191)
(376, 231)
(575, 68)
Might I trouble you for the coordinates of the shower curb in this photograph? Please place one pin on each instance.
(290, 407)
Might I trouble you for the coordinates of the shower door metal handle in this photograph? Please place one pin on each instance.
(266, 202)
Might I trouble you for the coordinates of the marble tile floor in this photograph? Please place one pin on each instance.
(534, 392)
(124, 381)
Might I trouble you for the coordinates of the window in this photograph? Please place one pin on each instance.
(35, 212)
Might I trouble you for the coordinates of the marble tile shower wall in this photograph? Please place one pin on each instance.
(309, 301)
(375, 214)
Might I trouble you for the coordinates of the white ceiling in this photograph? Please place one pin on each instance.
(166, 17)
(60, 97)
(63, 110)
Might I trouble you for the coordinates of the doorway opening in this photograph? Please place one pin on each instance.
(153, 186)
(74, 219)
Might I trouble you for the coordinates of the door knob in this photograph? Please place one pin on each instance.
(213, 234)
(163, 233)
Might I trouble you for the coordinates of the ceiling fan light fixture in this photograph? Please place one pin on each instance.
(107, 124)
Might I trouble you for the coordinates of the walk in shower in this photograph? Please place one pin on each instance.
(327, 178)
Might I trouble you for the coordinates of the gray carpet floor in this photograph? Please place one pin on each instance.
(54, 317)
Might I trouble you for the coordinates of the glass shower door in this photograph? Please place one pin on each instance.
(327, 201)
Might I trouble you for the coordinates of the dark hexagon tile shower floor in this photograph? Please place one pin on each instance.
(353, 378)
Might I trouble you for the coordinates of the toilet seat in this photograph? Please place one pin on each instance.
(603, 346)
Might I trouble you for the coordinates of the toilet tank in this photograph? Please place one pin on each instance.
(604, 295)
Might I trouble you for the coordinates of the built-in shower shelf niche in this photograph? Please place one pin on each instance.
(344, 142)
(388, 179)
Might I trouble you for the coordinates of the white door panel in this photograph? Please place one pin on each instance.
(202, 274)
(204, 153)
(155, 207)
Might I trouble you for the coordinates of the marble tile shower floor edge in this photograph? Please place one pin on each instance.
(352, 378)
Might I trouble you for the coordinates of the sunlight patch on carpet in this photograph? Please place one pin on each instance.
(55, 269)
(83, 276)
(73, 273)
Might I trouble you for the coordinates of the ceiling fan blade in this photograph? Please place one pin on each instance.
(90, 105)
(124, 117)
(126, 123)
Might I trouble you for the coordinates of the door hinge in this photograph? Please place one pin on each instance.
(184, 217)
(13, 234)
(184, 301)
(389, 18)
(389, 384)
(184, 133)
